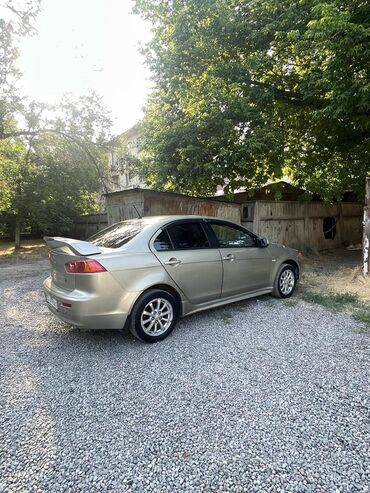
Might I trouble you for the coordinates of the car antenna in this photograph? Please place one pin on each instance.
(137, 212)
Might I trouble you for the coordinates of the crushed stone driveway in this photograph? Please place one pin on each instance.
(264, 395)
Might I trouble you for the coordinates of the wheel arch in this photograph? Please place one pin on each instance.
(294, 264)
(164, 287)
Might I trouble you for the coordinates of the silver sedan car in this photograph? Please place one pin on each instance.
(146, 273)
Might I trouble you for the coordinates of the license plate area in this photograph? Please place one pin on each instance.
(51, 301)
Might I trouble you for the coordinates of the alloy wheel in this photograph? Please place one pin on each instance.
(157, 316)
(287, 282)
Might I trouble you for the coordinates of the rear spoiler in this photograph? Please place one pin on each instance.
(77, 246)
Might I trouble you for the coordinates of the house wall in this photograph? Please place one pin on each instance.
(120, 177)
(300, 224)
(120, 205)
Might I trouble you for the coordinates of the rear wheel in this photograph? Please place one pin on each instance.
(154, 316)
(285, 282)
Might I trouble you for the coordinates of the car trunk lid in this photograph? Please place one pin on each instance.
(65, 250)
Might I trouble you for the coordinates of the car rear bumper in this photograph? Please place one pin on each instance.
(87, 310)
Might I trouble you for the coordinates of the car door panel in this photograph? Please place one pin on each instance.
(197, 269)
(246, 267)
(248, 270)
(198, 273)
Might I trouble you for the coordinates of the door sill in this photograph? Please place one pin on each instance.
(189, 309)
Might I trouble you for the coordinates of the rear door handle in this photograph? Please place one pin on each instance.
(173, 261)
(229, 257)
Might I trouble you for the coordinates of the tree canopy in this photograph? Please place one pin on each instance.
(247, 91)
(53, 160)
(55, 167)
(17, 19)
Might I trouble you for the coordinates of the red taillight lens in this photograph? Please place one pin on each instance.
(84, 267)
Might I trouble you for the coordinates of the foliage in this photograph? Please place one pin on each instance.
(53, 161)
(16, 19)
(249, 91)
(55, 169)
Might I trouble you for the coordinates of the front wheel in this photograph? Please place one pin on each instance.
(285, 282)
(154, 316)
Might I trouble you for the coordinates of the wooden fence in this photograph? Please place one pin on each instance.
(85, 226)
(305, 225)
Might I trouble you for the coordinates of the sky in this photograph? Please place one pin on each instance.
(88, 44)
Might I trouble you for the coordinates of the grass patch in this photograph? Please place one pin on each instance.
(30, 249)
(362, 316)
(336, 271)
(338, 302)
(332, 301)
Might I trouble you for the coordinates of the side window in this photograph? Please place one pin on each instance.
(230, 237)
(162, 242)
(185, 236)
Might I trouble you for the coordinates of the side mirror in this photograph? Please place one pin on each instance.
(262, 242)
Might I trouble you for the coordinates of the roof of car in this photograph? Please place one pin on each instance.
(174, 217)
(158, 221)
(149, 225)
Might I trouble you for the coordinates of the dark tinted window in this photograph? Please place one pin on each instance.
(230, 237)
(118, 234)
(185, 236)
(163, 242)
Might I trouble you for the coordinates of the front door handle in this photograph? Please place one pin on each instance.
(229, 258)
(173, 261)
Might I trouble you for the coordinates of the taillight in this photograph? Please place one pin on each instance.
(84, 267)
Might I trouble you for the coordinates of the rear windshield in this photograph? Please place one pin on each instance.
(118, 234)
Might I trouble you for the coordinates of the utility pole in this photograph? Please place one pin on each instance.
(366, 233)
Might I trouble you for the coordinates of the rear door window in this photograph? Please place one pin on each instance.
(163, 242)
(182, 236)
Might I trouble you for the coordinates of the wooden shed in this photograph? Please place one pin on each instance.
(281, 212)
(288, 215)
(129, 204)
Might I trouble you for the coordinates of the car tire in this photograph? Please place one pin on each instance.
(154, 316)
(285, 282)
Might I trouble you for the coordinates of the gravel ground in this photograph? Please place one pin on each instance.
(261, 396)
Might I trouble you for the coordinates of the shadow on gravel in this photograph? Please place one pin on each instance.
(224, 314)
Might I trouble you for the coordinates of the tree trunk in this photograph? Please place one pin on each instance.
(366, 234)
(17, 240)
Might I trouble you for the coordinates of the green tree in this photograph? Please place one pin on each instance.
(53, 161)
(63, 185)
(17, 19)
(55, 167)
(247, 91)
